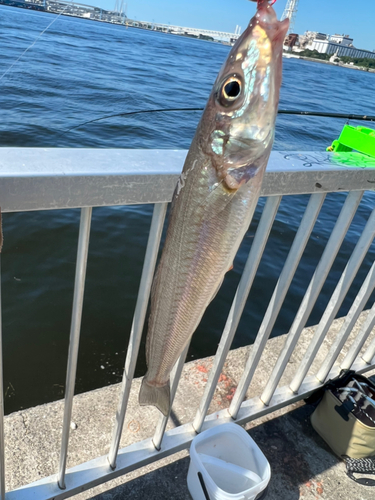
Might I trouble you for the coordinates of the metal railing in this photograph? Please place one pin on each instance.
(39, 179)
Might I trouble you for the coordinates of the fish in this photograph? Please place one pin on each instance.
(215, 196)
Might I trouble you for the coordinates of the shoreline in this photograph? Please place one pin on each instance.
(125, 25)
(287, 55)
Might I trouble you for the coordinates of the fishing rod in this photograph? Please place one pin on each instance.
(350, 116)
(345, 116)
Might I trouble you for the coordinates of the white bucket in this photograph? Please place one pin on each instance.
(232, 465)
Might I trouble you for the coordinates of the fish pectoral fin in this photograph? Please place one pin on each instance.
(155, 396)
(218, 200)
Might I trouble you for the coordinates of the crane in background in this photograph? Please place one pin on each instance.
(121, 9)
(290, 11)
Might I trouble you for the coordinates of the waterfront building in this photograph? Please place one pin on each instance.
(321, 36)
(342, 40)
(291, 40)
(342, 45)
(309, 37)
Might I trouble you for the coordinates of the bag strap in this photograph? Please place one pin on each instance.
(341, 380)
(361, 466)
(362, 378)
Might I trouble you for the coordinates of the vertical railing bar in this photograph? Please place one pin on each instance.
(247, 278)
(337, 236)
(75, 329)
(350, 320)
(359, 341)
(370, 353)
(175, 378)
(2, 442)
(153, 244)
(336, 300)
(278, 296)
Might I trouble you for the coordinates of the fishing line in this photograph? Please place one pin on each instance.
(143, 111)
(34, 42)
(280, 111)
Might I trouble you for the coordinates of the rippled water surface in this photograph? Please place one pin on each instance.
(80, 70)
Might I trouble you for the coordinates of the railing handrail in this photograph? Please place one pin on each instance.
(52, 178)
(57, 178)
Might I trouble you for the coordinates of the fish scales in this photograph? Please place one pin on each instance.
(194, 257)
(215, 197)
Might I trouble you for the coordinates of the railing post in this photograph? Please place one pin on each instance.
(277, 299)
(238, 304)
(336, 300)
(357, 307)
(153, 244)
(2, 444)
(337, 236)
(75, 329)
(359, 341)
(370, 353)
(175, 378)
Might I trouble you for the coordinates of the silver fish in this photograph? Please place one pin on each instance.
(215, 196)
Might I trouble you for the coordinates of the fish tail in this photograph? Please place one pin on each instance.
(155, 396)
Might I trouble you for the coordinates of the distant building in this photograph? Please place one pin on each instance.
(342, 40)
(309, 37)
(321, 36)
(342, 45)
(291, 40)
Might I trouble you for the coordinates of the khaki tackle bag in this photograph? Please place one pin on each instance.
(345, 418)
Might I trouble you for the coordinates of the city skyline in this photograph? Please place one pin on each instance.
(335, 16)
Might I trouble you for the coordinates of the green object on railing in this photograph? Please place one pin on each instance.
(361, 139)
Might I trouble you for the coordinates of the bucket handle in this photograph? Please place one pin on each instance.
(203, 485)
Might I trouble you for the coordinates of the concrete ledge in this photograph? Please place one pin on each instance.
(301, 463)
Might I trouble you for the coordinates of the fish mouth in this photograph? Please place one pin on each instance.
(278, 32)
(266, 17)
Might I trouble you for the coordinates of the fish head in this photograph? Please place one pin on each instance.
(242, 107)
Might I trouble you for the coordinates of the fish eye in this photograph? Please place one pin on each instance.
(230, 91)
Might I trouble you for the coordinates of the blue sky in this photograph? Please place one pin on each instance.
(327, 16)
